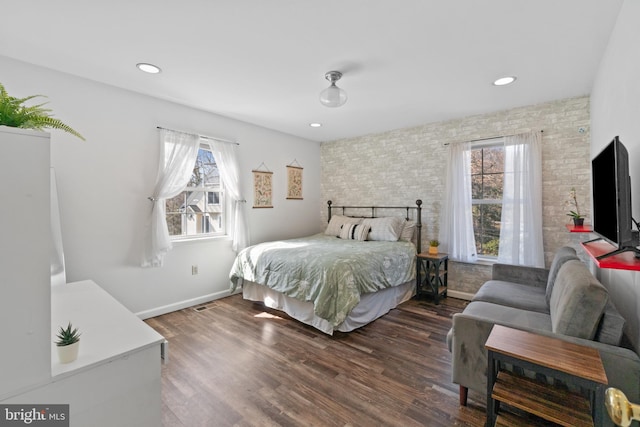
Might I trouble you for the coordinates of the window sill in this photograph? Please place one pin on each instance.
(479, 261)
(196, 239)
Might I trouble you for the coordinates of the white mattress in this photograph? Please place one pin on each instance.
(370, 307)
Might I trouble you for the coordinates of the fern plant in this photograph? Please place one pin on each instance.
(67, 336)
(14, 113)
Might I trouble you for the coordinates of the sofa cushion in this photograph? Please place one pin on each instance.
(527, 275)
(562, 255)
(611, 326)
(513, 295)
(509, 316)
(577, 301)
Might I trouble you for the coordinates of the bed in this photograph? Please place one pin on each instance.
(357, 270)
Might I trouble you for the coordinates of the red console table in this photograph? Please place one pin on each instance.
(622, 261)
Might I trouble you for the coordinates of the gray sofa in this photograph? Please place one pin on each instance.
(565, 301)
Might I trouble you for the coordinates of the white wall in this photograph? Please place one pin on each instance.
(615, 110)
(408, 164)
(103, 185)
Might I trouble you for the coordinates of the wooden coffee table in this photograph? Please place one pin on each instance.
(571, 363)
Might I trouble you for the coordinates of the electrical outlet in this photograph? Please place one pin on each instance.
(194, 270)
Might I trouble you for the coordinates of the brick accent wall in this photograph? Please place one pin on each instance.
(400, 166)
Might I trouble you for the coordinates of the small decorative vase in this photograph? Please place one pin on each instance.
(578, 222)
(68, 353)
(433, 250)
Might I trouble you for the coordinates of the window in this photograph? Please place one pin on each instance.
(199, 209)
(487, 182)
(493, 205)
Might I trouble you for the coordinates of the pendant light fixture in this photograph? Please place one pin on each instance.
(333, 96)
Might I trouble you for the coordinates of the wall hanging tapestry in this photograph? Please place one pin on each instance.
(294, 181)
(262, 187)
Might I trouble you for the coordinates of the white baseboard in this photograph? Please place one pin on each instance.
(183, 304)
(460, 295)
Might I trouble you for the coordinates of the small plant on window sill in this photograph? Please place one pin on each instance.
(574, 213)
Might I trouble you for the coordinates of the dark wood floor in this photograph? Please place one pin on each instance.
(236, 363)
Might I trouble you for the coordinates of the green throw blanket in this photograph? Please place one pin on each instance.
(329, 272)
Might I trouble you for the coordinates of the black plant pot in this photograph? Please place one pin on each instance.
(578, 222)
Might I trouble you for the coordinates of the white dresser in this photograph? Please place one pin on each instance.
(116, 380)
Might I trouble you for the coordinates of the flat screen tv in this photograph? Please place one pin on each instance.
(612, 216)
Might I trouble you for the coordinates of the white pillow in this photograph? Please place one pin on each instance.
(385, 228)
(336, 223)
(354, 232)
(408, 230)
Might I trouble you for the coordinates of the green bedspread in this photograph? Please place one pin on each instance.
(329, 272)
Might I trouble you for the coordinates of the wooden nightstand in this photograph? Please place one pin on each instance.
(431, 275)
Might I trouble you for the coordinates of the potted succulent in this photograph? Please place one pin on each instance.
(433, 246)
(574, 213)
(68, 343)
(14, 113)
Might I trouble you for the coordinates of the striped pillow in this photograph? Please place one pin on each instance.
(336, 223)
(354, 232)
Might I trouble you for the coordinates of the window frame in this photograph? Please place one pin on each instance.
(479, 145)
(205, 190)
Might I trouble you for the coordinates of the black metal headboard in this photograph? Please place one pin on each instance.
(417, 207)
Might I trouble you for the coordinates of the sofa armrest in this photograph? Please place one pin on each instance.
(469, 356)
(520, 274)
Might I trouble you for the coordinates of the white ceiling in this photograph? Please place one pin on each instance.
(405, 62)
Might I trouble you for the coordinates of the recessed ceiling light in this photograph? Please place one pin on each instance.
(502, 81)
(315, 125)
(148, 68)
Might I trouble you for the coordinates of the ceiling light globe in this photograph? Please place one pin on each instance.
(333, 96)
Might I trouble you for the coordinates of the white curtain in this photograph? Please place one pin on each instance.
(226, 157)
(456, 222)
(178, 153)
(521, 222)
